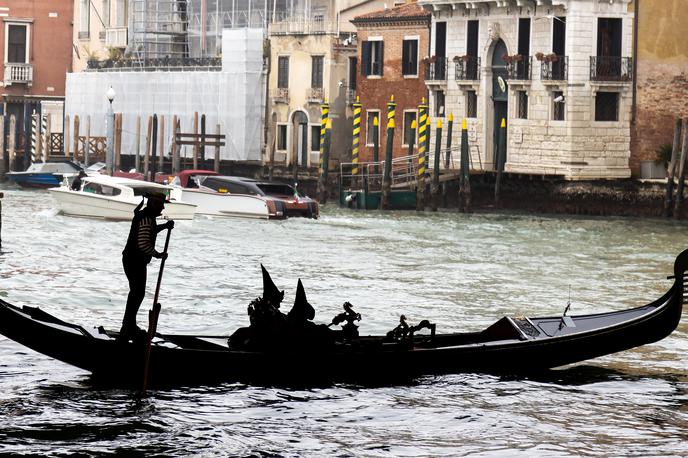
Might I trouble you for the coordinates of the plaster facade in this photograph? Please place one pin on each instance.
(541, 142)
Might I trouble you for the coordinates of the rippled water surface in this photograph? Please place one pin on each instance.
(459, 271)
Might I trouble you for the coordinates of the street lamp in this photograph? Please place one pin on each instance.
(110, 124)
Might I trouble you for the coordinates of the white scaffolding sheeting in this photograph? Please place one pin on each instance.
(233, 97)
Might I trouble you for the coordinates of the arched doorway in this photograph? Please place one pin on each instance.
(299, 147)
(500, 95)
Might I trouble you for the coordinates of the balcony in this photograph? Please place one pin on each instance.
(436, 70)
(157, 64)
(615, 69)
(467, 68)
(18, 74)
(315, 95)
(116, 37)
(280, 95)
(554, 68)
(519, 68)
(350, 96)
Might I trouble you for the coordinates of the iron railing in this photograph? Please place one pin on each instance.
(555, 68)
(280, 94)
(520, 69)
(162, 63)
(606, 68)
(437, 70)
(468, 68)
(316, 94)
(350, 96)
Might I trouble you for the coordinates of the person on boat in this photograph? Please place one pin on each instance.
(76, 183)
(138, 252)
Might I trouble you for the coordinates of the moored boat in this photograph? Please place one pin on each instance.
(115, 198)
(44, 174)
(510, 345)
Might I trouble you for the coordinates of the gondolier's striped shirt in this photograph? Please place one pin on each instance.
(141, 241)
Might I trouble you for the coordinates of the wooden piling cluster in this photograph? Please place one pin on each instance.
(673, 201)
(159, 143)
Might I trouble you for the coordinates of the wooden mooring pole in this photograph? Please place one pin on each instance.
(682, 172)
(216, 167)
(12, 142)
(1, 197)
(448, 157)
(146, 153)
(325, 162)
(76, 138)
(196, 145)
(385, 203)
(499, 166)
(137, 146)
(436, 168)
(422, 137)
(3, 165)
(161, 160)
(465, 176)
(671, 171)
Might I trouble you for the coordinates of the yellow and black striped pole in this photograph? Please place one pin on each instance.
(325, 111)
(356, 138)
(376, 145)
(391, 108)
(422, 142)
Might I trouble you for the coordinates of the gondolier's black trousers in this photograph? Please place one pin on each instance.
(135, 270)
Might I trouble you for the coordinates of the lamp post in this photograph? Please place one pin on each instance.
(110, 126)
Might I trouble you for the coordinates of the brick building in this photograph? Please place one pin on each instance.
(661, 88)
(391, 45)
(558, 72)
(37, 42)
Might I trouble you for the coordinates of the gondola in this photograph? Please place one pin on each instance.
(510, 345)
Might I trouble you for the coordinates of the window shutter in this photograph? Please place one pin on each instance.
(365, 58)
(382, 58)
(405, 54)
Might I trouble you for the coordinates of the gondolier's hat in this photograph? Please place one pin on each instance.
(270, 292)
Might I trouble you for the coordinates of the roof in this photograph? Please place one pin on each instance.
(401, 13)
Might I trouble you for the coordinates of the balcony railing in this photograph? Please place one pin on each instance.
(350, 96)
(468, 68)
(116, 37)
(437, 70)
(163, 64)
(302, 26)
(520, 69)
(316, 94)
(280, 95)
(605, 68)
(555, 68)
(18, 73)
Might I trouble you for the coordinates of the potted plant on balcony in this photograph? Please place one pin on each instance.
(551, 58)
(539, 56)
(91, 57)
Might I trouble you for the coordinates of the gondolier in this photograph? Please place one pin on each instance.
(138, 252)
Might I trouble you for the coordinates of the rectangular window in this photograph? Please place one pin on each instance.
(524, 37)
(372, 58)
(559, 36)
(439, 103)
(283, 72)
(315, 137)
(317, 71)
(371, 115)
(472, 38)
(106, 13)
(409, 132)
(609, 37)
(17, 43)
(120, 13)
(558, 106)
(607, 106)
(409, 57)
(522, 104)
(281, 137)
(84, 18)
(353, 61)
(471, 104)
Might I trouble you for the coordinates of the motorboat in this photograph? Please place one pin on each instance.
(512, 344)
(101, 168)
(44, 174)
(219, 195)
(115, 198)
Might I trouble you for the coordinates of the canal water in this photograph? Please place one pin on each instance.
(461, 272)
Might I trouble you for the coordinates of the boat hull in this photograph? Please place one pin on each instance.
(228, 205)
(35, 180)
(87, 205)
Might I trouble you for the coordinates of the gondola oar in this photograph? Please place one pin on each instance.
(153, 316)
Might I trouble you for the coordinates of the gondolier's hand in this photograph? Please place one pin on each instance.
(169, 224)
(162, 256)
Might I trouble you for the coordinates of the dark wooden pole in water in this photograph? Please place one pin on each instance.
(376, 144)
(12, 142)
(501, 150)
(3, 165)
(76, 138)
(146, 154)
(465, 176)
(177, 147)
(387, 177)
(682, 172)
(202, 147)
(325, 161)
(448, 156)
(435, 193)
(153, 316)
(422, 137)
(195, 147)
(161, 160)
(216, 167)
(1, 196)
(154, 147)
(137, 146)
(671, 171)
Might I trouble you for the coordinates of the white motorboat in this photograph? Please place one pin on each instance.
(115, 198)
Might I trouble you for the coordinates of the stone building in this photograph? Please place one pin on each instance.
(559, 72)
(392, 44)
(661, 86)
(37, 54)
(312, 61)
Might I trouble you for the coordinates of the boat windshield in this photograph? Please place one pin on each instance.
(143, 190)
(276, 189)
(101, 189)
